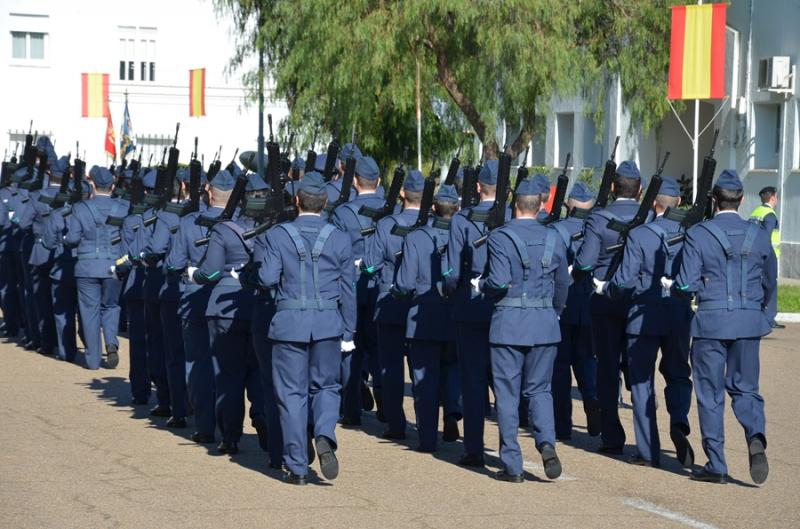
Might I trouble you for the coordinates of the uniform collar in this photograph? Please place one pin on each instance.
(766, 205)
(726, 211)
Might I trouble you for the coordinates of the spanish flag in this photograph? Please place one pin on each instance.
(697, 52)
(197, 92)
(94, 95)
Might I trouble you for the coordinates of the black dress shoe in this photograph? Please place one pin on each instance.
(161, 410)
(501, 475)
(200, 438)
(260, 424)
(328, 463)
(30, 346)
(367, 402)
(275, 465)
(639, 461)
(112, 356)
(470, 460)
(228, 447)
(176, 422)
(593, 418)
(611, 450)
(139, 402)
(450, 433)
(350, 421)
(564, 437)
(759, 467)
(294, 479)
(708, 477)
(393, 436)
(683, 450)
(550, 461)
(776, 325)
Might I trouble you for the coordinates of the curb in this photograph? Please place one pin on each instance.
(788, 317)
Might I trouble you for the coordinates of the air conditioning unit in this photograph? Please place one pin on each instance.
(774, 73)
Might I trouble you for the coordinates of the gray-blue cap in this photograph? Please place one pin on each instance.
(348, 148)
(669, 187)
(628, 169)
(446, 193)
(542, 181)
(367, 167)
(298, 164)
(255, 183)
(319, 163)
(414, 181)
(488, 174)
(581, 192)
(729, 179)
(224, 181)
(182, 174)
(103, 177)
(149, 179)
(312, 183)
(529, 187)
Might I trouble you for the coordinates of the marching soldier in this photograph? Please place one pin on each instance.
(310, 263)
(528, 280)
(729, 266)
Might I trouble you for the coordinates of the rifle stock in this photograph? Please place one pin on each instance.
(561, 193)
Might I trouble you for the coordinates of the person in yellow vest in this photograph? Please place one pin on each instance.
(766, 215)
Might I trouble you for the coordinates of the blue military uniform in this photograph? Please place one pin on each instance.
(609, 318)
(656, 321)
(98, 288)
(310, 263)
(575, 349)
(9, 279)
(429, 327)
(390, 312)
(333, 188)
(347, 218)
(528, 280)
(729, 266)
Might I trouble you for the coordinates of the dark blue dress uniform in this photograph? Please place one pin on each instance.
(9, 279)
(528, 278)
(656, 321)
(347, 218)
(472, 312)
(390, 312)
(429, 327)
(310, 264)
(200, 386)
(98, 287)
(609, 318)
(575, 349)
(729, 266)
(25, 237)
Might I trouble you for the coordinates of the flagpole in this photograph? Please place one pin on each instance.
(695, 139)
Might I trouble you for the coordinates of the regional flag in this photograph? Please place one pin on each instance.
(111, 144)
(697, 52)
(197, 92)
(94, 95)
(126, 143)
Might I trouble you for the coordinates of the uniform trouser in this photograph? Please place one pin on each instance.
(200, 386)
(8, 293)
(608, 341)
(426, 361)
(263, 349)
(29, 305)
(528, 371)
(65, 302)
(354, 363)
(674, 366)
(235, 369)
(174, 358)
(137, 346)
(97, 300)
(450, 382)
(42, 298)
(392, 349)
(473, 362)
(154, 340)
(733, 366)
(574, 356)
(306, 377)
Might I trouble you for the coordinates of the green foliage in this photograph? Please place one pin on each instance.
(481, 64)
(788, 298)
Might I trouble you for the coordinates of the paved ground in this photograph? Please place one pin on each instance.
(76, 455)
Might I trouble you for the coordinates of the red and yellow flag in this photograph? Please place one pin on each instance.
(197, 92)
(697, 52)
(94, 95)
(111, 142)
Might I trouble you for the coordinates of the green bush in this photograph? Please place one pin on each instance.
(788, 298)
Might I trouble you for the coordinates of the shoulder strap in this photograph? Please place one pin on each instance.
(562, 230)
(239, 232)
(549, 248)
(522, 250)
(606, 214)
(363, 222)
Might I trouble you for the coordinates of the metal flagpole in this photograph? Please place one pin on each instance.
(260, 156)
(419, 124)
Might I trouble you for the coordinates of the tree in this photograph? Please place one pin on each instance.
(482, 64)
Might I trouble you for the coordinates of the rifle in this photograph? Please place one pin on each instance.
(700, 209)
(424, 208)
(195, 166)
(347, 179)
(257, 207)
(522, 174)
(232, 163)
(62, 196)
(496, 216)
(39, 182)
(390, 202)
(215, 166)
(136, 204)
(228, 212)
(172, 169)
(330, 160)
(468, 188)
(624, 228)
(452, 171)
(608, 177)
(561, 193)
(311, 155)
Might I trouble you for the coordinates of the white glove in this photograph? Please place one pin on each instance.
(190, 272)
(113, 271)
(234, 274)
(357, 263)
(440, 288)
(569, 270)
(476, 284)
(599, 286)
(666, 283)
(348, 346)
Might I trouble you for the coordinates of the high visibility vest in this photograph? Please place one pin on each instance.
(760, 213)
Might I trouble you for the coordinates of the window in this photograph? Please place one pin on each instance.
(767, 135)
(137, 47)
(538, 142)
(565, 133)
(592, 151)
(27, 45)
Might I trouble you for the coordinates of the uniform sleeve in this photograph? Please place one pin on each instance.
(128, 235)
(770, 222)
(455, 245)
(25, 214)
(178, 257)
(347, 290)
(631, 266)
(499, 279)
(53, 228)
(74, 228)
(159, 241)
(337, 219)
(589, 252)
(562, 279)
(690, 280)
(210, 270)
(376, 247)
(769, 276)
(406, 280)
(271, 269)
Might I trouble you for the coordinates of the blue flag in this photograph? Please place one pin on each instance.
(126, 144)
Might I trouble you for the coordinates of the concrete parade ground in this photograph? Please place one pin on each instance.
(75, 454)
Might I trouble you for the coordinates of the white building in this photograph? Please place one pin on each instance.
(147, 48)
